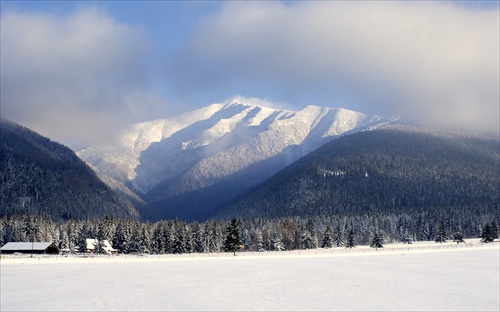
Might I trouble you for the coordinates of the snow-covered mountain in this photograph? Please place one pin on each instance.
(189, 164)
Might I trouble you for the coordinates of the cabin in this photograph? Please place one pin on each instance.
(91, 243)
(30, 248)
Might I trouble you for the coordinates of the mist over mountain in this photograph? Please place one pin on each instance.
(186, 166)
(42, 177)
(396, 169)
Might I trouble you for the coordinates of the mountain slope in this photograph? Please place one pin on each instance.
(381, 170)
(46, 178)
(186, 166)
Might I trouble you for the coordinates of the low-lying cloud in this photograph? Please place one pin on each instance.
(431, 61)
(76, 78)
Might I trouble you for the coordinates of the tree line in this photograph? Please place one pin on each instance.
(257, 234)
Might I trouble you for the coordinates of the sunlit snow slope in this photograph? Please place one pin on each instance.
(189, 164)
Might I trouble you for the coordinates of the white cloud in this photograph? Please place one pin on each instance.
(429, 60)
(75, 78)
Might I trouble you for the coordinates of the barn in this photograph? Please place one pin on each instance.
(29, 247)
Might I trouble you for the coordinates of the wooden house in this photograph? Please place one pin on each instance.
(30, 247)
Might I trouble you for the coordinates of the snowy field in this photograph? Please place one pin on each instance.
(418, 277)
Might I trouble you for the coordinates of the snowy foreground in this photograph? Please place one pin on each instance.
(418, 277)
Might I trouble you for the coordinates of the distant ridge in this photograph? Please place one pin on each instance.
(393, 169)
(45, 178)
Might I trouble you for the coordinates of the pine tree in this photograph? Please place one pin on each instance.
(63, 239)
(306, 241)
(350, 240)
(338, 237)
(458, 237)
(327, 238)
(197, 238)
(99, 247)
(216, 238)
(157, 239)
(407, 239)
(494, 230)
(134, 244)
(180, 244)
(489, 233)
(99, 240)
(120, 236)
(169, 237)
(232, 242)
(258, 240)
(206, 237)
(144, 239)
(81, 241)
(246, 239)
(441, 233)
(312, 233)
(276, 242)
(2, 231)
(377, 242)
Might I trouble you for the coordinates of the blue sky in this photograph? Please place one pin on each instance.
(78, 71)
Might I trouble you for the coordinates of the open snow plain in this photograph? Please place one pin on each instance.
(418, 277)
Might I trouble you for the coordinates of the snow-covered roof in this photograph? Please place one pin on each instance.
(90, 243)
(26, 246)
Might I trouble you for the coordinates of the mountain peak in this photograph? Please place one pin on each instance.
(207, 148)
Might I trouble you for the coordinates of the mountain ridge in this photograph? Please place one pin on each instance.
(394, 168)
(214, 147)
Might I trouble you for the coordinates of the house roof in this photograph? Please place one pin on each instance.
(90, 243)
(26, 246)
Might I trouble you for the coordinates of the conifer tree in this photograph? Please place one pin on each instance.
(120, 236)
(196, 237)
(157, 239)
(232, 242)
(81, 240)
(134, 244)
(258, 240)
(494, 230)
(407, 239)
(169, 237)
(350, 243)
(458, 237)
(144, 239)
(377, 242)
(276, 242)
(99, 246)
(246, 239)
(63, 240)
(207, 237)
(312, 233)
(327, 238)
(488, 233)
(216, 238)
(306, 241)
(338, 237)
(441, 233)
(180, 244)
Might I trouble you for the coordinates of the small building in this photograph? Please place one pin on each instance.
(29, 247)
(90, 244)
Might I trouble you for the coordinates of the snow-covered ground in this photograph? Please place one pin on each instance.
(418, 277)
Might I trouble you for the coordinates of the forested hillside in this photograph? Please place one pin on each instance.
(393, 170)
(42, 177)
